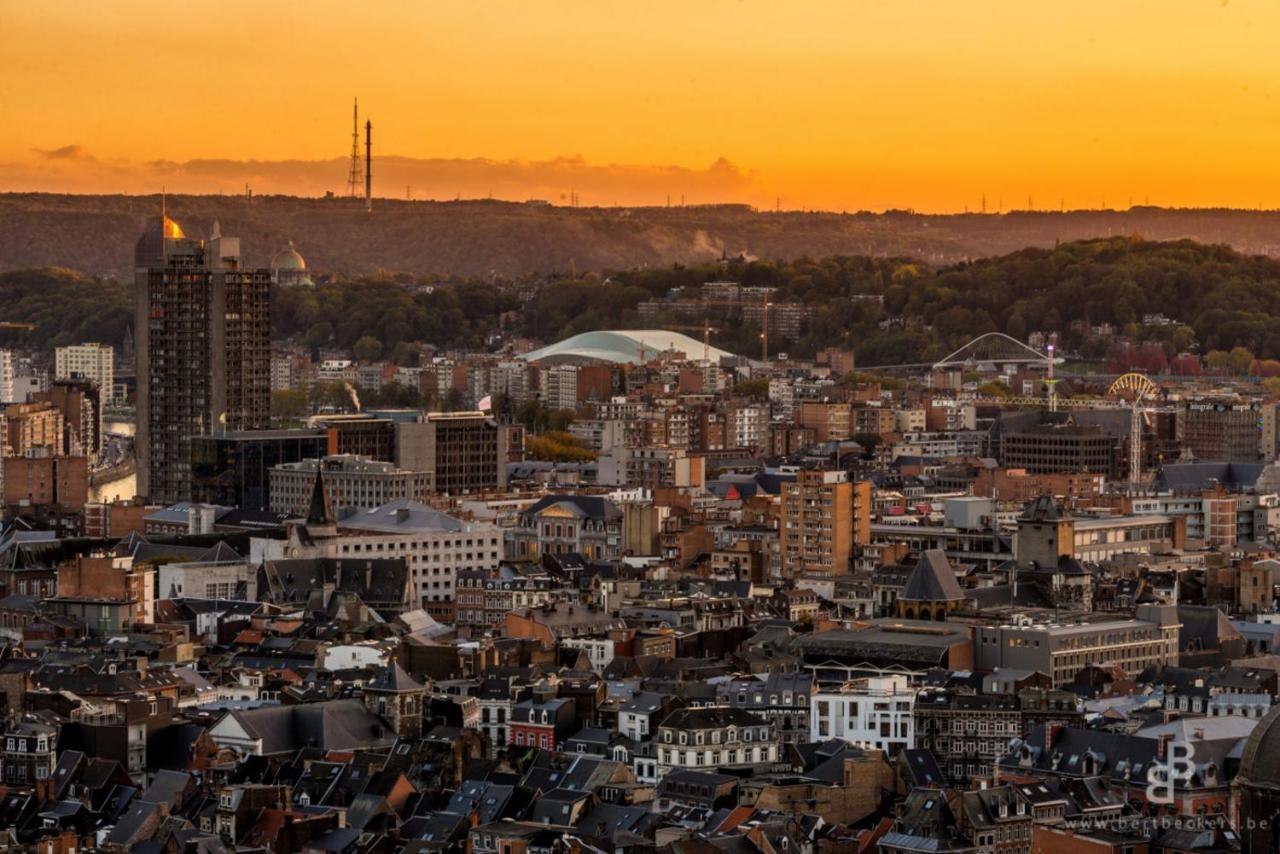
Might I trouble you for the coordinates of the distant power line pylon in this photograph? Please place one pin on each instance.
(355, 173)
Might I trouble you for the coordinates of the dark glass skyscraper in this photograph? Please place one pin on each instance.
(203, 350)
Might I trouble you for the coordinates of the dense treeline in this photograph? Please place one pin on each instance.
(66, 307)
(888, 310)
(894, 310)
(390, 313)
(1225, 298)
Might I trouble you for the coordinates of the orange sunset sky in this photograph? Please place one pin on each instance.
(840, 105)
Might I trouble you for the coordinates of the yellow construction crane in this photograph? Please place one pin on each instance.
(765, 305)
(706, 329)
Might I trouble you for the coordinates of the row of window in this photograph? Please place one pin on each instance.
(699, 736)
(713, 758)
(19, 745)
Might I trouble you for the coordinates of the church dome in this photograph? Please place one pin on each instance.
(1260, 760)
(150, 247)
(289, 259)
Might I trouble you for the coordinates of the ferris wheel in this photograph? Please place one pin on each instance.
(1134, 388)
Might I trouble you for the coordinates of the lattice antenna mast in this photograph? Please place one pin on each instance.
(355, 174)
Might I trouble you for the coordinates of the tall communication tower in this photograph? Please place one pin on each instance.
(368, 166)
(355, 175)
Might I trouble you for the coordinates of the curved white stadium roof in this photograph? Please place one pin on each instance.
(622, 347)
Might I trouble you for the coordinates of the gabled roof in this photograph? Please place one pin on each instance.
(330, 725)
(221, 553)
(167, 787)
(932, 580)
(711, 718)
(394, 680)
(132, 824)
(921, 769)
(1043, 509)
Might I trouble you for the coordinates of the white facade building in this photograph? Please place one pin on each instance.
(7, 389)
(93, 362)
(434, 545)
(559, 386)
(871, 713)
(715, 737)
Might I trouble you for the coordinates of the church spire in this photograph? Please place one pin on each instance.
(318, 512)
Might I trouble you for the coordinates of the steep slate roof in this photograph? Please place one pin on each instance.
(1204, 627)
(132, 824)
(489, 800)
(1043, 509)
(394, 680)
(402, 515)
(921, 768)
(932, 580)
(330, 725)
(711, 717)
(167, 787)
(374, 580)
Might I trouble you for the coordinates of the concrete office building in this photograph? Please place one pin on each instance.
(350, 481)
(1060, 650)
(463, 451)
(1228, 430)
(1047, 533)
(203, 350)
(1050, 448)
